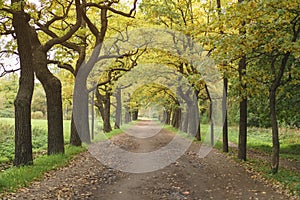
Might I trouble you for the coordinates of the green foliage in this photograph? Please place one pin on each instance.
(8, 91)
(17, 177)
(38, 106)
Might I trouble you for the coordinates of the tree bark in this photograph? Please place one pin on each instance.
(118, 109)
(127, 115)
(176, 118)
(80, 107)
(198, 126)
(52, 87)
(75, 139)
(212, 134)
(225, 126)
(134, 114)
(276, 83)
(107, 125)
(242, 145)
(275, 132)
(74, 136)
(167, 116)
(23, 140)
(103, 104)
(186, 121)
(193, 126)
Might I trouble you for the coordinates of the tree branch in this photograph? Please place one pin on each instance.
(62, 65)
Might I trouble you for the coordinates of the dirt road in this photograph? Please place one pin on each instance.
(214, 177)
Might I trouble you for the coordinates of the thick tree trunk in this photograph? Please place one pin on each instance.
(212, 134)
(242, 145)
(198, 134)
(275, 132)
(198, 126)
(167, 116)
(81, 112)
(134, 114)
(118, 109)
(75, 139)
(225, 126)
(103, 104)
(127, 115)
(185, 124)
(193, 126)
(176, 119)
(106, 119)
(23, 141)
(52, 88)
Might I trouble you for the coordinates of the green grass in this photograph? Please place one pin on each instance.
(16, 177)
(288, 179)
(261, 140)
(39, 137)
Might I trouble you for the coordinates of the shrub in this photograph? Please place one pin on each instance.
(7, 113)
(37, 115)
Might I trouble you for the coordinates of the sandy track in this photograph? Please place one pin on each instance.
(213, 177)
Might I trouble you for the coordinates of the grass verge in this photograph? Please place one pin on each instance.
(286, 181)
(16, 177)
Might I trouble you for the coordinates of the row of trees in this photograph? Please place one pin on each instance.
(256, 52)
(255, 43)
(38, 30)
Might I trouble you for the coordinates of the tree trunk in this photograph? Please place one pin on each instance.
(23, 141)
(127, 115)
(93, 115)
(198, 131)
(176, 119)
(118, 109)
(212, 133)
(52, 87)
(186, 121)
(225, 126)
(103, 104)
(106, 119)
(81, 112)
(275, 133)
(134, 114)
(193, 126)
(167, 116)
(242, 145)
(75, 140)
